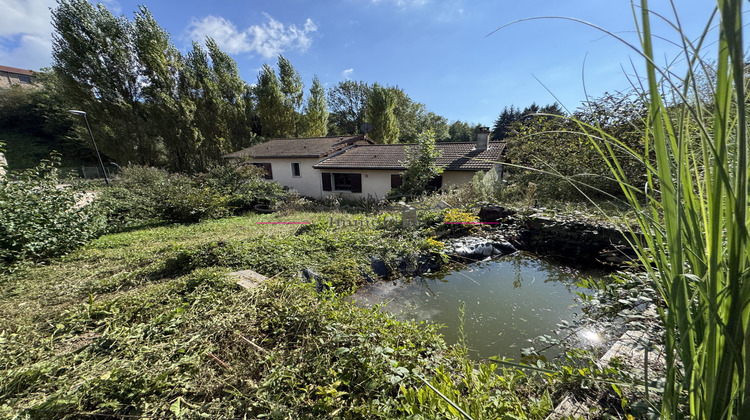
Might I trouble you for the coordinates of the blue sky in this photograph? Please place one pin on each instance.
(436, 50)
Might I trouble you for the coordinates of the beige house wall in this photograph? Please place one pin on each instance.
(375, 183)
(307, 184)
(456, 178)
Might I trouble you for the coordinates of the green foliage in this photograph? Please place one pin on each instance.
(292, 90)
(576, 170)
(421, 166)
(316, 111)
(461, 131)
(380, 113)
(147, 194)
(39, 220)
(694, 212)
(146, 102)
(479, 391)
(270, 104)
(348, 102)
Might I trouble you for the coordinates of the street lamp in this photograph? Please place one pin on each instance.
(96, 149)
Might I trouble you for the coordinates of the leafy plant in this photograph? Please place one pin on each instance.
(421, 166)
(40, 219)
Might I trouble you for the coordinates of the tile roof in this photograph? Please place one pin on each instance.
(16, 70)
(455, 157)
(316, 147)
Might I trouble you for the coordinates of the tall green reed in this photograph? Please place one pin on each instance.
(694, 213)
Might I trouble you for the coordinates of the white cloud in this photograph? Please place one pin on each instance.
(26, 33)
(268, 39)
(347, 73)
(404, 3)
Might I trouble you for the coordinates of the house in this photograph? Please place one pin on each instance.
(11, 76)
(291, 161)
(355, 167)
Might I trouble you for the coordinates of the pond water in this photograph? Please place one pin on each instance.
(507, 301)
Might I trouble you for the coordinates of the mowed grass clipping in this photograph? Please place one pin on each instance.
(148, 323)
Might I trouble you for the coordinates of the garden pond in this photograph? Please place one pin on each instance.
(506, 302)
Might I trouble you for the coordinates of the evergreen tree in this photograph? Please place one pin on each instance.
(504, 122)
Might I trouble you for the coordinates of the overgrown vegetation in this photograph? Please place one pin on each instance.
(696, 214)
(40, 219)
(147, 323)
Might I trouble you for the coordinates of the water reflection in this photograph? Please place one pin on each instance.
(507, 302)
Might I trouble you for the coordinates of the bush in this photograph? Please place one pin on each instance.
(39, 220)
(142, 194)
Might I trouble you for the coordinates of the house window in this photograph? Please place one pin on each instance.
(396, 180)
(266, 167)
(295, 169)
(342, 182)
(24, 79)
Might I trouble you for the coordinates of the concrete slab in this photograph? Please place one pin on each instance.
(248, 279)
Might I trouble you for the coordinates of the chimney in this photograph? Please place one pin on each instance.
(483, 138)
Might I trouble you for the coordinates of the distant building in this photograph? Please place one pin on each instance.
(11, 76)
(354, 167)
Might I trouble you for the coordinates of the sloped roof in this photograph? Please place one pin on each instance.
(16, 70)
(315, 147)
(454, 157)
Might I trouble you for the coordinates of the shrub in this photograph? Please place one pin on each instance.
(143, 194)
(40, 220)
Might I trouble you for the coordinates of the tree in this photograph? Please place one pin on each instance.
(148, 103)
(504, 122)
(410, 115)
(421, 165)
(93, 56)
(461, 131)
(438, 124)
(292, 89)
(347, 103)
(316, 111)
(270, 104)
(380, 113)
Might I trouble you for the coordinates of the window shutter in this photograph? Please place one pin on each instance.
(326, 181)
(396, 180)
(356, 183)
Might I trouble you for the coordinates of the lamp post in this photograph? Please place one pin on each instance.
(96, 149)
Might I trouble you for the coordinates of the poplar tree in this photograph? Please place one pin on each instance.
(292, 89)
(316, 111)
(93, 57)
(270, 104)
(380, 113)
